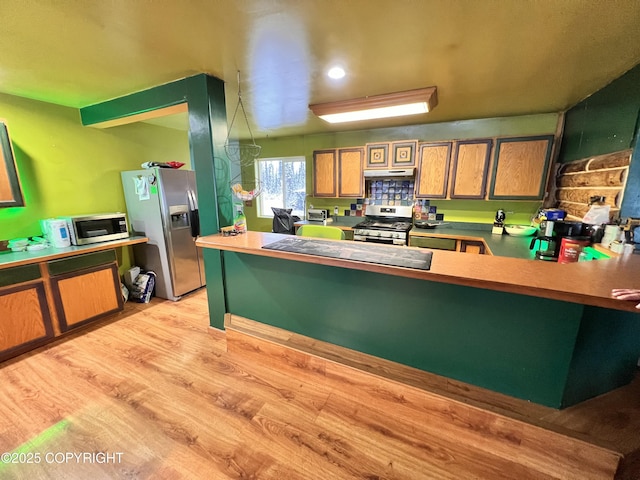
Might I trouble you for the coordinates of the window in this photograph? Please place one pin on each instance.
(283, 184)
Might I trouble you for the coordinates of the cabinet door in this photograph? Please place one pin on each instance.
(403, 154)
(24, 318)
(377, 155)
(324, 173)
(433, 170)
(520, 168)
(350, 172)
(470, 168)
(471, 246)
(86, 295)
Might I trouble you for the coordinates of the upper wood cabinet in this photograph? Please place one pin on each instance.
(520, 168)
(351, 172)
(470, 167)
(377, 155)
(324, 173)
(10, 190)
(433, 170)
(403, 154)
(338, 173)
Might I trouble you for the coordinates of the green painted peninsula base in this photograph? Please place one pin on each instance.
(549, 352)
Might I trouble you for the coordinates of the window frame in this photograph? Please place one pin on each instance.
(291, 159)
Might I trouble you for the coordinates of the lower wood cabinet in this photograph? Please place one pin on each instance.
(43, 300)
(86, 295)
(25, 322)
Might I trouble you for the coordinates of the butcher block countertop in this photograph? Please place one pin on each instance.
(587, 283)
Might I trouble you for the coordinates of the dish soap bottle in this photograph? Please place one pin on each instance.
(240, 221)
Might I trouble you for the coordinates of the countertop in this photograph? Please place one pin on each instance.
(588, 283)
(500, 245)
(344, 223)
(504, 245)
(15, 259)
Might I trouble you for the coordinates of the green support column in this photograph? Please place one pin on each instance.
(204, 96)
(207, 135)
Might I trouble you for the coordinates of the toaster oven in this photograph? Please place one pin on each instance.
(317, 215)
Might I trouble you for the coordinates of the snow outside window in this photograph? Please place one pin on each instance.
(283, 185)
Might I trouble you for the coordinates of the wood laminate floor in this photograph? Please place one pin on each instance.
(153, 394)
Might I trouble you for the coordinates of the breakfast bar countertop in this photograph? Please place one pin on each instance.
(587, 283)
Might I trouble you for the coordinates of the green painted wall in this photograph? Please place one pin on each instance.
(66, 168)
(605, 122)
(454, 210)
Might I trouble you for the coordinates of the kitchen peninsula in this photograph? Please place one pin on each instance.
(543, 332)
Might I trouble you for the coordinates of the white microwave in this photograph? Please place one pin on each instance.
(86, 229)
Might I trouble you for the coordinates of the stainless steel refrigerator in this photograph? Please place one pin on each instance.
(162, 205)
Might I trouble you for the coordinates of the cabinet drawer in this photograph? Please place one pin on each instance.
(79, 262)
(431, 242)
(24, 273)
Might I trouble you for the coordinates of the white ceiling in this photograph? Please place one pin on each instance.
(487, 57)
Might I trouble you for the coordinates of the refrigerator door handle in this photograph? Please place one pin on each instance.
(194, 217)
(193, 201)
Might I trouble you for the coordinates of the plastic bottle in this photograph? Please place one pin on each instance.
(240, 221)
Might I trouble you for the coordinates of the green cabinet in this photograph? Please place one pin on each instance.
(431, 242)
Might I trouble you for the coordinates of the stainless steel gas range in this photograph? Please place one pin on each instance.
(385, 224)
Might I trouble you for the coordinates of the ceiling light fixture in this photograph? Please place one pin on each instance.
(410, 102)
(336, 73)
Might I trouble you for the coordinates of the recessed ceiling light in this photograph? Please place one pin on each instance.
(336, 73)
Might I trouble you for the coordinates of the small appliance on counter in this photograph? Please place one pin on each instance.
(498, 223)
(559, 237)
(317, 215)
(104, 227)
(546, 243)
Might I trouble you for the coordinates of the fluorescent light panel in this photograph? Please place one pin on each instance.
(411, 102)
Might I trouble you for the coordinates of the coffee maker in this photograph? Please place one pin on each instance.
(547, 244)
(550, 240)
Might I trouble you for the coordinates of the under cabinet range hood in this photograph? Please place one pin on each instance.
(397, 172)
